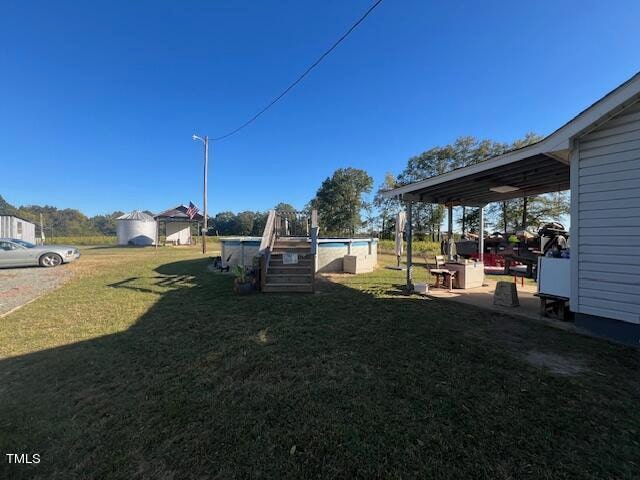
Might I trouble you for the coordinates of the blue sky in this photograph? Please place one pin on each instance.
(99, 99)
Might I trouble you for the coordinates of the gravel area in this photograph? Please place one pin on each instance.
(21, 285)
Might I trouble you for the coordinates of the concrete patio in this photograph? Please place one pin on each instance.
(483, 297)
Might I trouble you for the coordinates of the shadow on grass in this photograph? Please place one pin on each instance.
(210, 385)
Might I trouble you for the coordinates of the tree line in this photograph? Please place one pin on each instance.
(343, 208)
(527, 213)
(63, 222)
(72, 222)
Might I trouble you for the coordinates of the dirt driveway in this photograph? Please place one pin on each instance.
(21, 285)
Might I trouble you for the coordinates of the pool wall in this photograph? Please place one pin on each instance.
(331, 252)
(329, 258)
(239, 250)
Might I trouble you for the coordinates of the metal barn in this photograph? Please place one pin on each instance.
(16, 227)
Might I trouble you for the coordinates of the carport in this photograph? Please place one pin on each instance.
(521, 173)
(596, 155)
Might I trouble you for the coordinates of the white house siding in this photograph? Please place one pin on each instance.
(608, 223)
(178, 233)
(14, 227)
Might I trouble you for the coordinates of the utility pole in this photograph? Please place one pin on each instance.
(205, 141)
(41, 229)
(204, 201)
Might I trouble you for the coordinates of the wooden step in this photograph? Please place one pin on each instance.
(287, 249)
(301, 256)
(280, 241)
(289, 269)
(302, 261)
(289, 278)
(302, 252)
(292, 238)
(288, 288)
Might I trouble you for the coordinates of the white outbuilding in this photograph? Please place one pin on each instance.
(18, 228)
(178, 224)
(136, 228)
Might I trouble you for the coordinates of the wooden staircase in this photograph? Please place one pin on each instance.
(297, 277)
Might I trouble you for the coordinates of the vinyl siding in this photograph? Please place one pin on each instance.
(608, 223)
(9, 228)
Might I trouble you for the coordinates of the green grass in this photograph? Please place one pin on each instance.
(419, 247)
(83, 240)
(95, 240)
(146, 366)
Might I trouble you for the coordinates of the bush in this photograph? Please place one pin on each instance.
(419, 247)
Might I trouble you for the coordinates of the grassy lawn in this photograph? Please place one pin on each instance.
(146, 366)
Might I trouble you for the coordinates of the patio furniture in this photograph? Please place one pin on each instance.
(441, 273)
(553, 304)
(520, 271)
(468, 274)
(531, 262)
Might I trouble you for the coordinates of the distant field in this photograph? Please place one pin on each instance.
(82, 240)
(102, 240)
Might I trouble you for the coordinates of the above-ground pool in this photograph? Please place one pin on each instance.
(329, 258)
(331, 252)
(239, 250)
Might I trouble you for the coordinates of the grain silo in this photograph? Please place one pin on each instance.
(136, 228)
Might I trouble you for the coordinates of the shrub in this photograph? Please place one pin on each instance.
(419, 247)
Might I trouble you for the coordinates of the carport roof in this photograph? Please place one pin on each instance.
(542, 167)
(472, 186)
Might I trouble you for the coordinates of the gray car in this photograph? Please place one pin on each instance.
(18, 253)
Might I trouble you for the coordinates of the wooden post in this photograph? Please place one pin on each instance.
(450, 232)
(315, 230)
(409, 248)
(481, 235)
(481, 244)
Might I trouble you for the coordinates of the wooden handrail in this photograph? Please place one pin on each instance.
(269, 231)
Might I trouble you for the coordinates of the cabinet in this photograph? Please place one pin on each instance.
(468, 275)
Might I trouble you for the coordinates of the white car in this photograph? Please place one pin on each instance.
(18, 253)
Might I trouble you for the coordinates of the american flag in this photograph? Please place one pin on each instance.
(192, 210)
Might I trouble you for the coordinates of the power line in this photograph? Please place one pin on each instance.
(304, 74)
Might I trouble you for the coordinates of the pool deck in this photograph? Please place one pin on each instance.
(482, 297)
